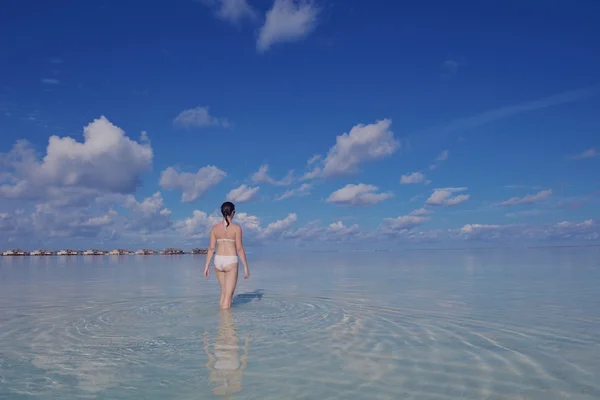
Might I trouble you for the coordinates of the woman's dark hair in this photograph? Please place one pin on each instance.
(227, 209)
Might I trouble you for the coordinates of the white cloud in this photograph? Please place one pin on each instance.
(334, 232)
(568, 229)
(243, 194)
(470, 228)
(562, 231)
(192, 186)
(405, 222)
(589, 153)
(480, 231)
(443, 156)
(103, 220)
(358, 195)
(277, 228)
(50, 81)
(150, 205)
(198, 226)
(364, 143)
(529, 199)
(339, 229)
(251, 222)
(420, 211)
(107, 161)
(302, 190)
(199, 117)
(313, 159)
(232, 11)
(150, 215)
(415, 177)
(48, 222)
(445, 197)
(262, 176)
(287, 21)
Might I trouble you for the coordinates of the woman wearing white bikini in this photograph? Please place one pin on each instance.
(229, 237)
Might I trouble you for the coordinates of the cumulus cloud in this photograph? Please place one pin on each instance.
(587, 229)
(357, 195)
(480, 231)
(287, 21)
(277, 228)
(198, 226)
(243, 194)
(334, 232)
(565, 231)
(248, 221)
(446, 197)
(420, 211)
(233, 11)
(302, 190)
(262, 176)
(339, 229)
(364, 143)
(90, 224)
(106, 161)
(52, 222)
(150, 205)
(528, 199)
(149, 215)
(404, 222)
(589, 153)
(192, 185)
(199, 117)
(413, 178)
(103, 220)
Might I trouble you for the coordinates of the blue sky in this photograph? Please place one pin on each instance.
(327, 123)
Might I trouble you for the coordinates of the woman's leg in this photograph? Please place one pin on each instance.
(231, 275)
(221, 278)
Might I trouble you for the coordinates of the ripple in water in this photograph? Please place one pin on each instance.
(269, 347)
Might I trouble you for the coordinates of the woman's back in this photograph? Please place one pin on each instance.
(226, 238)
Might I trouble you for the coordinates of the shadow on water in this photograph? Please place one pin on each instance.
(245, 298)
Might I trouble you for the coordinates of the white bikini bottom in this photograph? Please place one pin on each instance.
(222, 261)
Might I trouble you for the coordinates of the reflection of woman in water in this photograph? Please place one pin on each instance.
(226, 366)
(229, 237)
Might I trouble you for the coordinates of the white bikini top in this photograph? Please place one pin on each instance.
(225, 239)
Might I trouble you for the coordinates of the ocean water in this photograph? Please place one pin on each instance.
(486, 324)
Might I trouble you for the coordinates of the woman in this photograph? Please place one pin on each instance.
(229, 237)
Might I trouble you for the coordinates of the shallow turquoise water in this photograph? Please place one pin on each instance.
(489, 324)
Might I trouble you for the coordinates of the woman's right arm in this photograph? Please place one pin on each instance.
(211, 250)
(240, 250)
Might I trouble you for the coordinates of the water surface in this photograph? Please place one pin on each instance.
(488, 324)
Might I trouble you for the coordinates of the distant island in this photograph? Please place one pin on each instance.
(97, 252)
